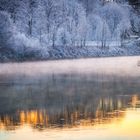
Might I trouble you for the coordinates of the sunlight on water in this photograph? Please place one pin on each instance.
(70, 102)
(128, 127)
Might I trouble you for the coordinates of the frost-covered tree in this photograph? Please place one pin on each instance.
(70, 23)
(33, 24)
(76, 22)
(26, 14)
(117, 18)
(6, 30)
(91, 5)
(51, 19)
(99, 29)
(135, 22)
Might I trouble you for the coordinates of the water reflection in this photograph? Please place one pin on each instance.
(67, 101)
(78, 100)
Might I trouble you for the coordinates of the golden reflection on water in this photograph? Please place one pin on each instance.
(124, 123)
(125, 126)
(41, 119)
(38, 119)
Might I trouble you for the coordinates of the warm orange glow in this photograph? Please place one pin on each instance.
(39, 118)
(122, 123)
(128, 127)
(33, 117)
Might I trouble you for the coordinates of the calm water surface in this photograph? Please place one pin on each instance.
(82, 99)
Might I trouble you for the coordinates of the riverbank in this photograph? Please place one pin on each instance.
(68, 52)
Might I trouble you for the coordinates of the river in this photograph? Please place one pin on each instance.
(81, 99)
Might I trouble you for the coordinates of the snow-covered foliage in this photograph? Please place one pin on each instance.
(117, 18)
(135, 22)
(99, 30)
(66, 28)
(6, 30)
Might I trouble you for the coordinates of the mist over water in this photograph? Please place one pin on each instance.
(70, 99)
(107, 66)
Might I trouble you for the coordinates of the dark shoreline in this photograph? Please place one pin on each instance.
(66, 58)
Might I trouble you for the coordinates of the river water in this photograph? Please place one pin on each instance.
(81, 99)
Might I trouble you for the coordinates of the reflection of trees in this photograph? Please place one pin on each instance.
(106, 111)
(40, 119)
(135, 102)
(65, 101)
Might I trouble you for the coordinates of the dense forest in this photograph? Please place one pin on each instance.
(52, 29)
